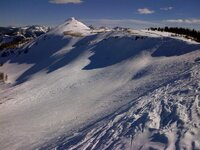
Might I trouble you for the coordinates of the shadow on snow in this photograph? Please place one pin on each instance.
(106, 52)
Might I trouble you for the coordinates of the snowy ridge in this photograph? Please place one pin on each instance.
(111, 90)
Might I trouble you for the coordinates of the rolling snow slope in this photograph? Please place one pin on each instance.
(108, 90)
(166, 118)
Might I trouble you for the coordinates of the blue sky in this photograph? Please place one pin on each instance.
(126, 13)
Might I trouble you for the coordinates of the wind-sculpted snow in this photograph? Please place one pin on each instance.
(167, 118)
(106, 49)
(172, 47)
(101, 90)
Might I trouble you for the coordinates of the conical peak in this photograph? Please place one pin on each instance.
(72, 24)
(71, 19)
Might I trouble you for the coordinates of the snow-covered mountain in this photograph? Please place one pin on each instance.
(71, 25)
(81, 88)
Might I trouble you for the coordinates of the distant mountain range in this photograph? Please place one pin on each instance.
(13, 37)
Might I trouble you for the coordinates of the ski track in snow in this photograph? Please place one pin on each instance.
(107, 90)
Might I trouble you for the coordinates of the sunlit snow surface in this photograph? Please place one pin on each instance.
(106, 90)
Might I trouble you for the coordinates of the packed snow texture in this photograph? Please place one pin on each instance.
(166, 118)
(108, 90)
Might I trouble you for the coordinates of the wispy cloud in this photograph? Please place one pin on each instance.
(141, 24)
(65, 1)
(183, 21)
(167, 8)
(130, 23)
(145, 11)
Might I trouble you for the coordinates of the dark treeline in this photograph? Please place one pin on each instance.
(188, 33)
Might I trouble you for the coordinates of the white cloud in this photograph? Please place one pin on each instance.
(145, 11)
(65, 1)
(167, 8)
(142, 24)
(183, 21)
(129, 23)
